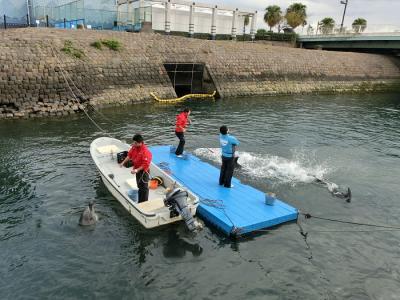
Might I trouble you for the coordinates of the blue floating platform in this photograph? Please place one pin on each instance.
(238, 210)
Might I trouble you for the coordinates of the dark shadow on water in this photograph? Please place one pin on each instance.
(138, 240)
(176, 246)
(235, 240)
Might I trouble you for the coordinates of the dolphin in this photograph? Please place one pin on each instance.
(236, 163)
(342, 195)
(89, 216)
(334, 189)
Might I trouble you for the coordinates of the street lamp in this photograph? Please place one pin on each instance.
(344, 12)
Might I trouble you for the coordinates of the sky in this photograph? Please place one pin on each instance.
(380, 14)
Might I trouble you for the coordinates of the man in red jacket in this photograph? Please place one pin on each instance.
(182, 120)
(141, 159)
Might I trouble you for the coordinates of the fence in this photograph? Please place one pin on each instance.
(273, 36)
(12, 22)
(70, 24)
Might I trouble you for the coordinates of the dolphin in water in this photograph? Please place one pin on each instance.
(89, 216)
(236, 163)
(334, 189)
(342, 195)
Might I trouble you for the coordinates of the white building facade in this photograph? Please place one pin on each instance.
(186, 16)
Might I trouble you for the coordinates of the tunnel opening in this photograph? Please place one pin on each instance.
(190, 78)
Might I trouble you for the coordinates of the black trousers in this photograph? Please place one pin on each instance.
(142, 181)
(181, 138)
(226, 173)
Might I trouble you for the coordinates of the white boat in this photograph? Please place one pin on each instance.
(120, 181)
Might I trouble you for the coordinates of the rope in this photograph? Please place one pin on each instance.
(191, 82)
(82, 95)
(213, 203)
(91, 106)
(327, 231)
(309, 216)
(141, 178)
(73, 94)
(304, 235)
(176, 67)
(219, 204)
(165, 167)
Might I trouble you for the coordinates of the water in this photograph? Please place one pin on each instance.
(47, 177)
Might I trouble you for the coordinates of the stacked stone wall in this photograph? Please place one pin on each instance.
(34, 70)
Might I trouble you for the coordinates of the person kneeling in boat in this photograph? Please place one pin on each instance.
(141, 157)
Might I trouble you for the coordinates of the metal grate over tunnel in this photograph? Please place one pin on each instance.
(189, 78)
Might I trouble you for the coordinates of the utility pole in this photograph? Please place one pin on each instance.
(29, 11)
(344, 12)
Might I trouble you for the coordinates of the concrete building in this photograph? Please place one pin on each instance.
(186, 16)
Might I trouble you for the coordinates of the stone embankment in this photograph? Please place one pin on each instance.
(34, 69)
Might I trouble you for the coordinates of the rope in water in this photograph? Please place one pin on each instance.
(309, 216)
(384, 227)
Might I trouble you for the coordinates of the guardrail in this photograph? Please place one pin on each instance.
(352, 34)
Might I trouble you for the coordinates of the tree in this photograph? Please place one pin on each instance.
(296, 15)
(326, 25)
(246, 20)
(310, 30)
(359, 25)
(261, 31)
(272, 16)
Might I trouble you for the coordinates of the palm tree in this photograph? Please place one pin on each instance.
(272, 16)
(327, 25)
(246, 21)
(359, 25)
(296, 15)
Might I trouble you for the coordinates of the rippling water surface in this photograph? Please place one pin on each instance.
(47, 177)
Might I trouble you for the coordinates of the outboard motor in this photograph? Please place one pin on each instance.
(176, 200)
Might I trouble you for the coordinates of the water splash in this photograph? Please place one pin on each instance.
(302, 168)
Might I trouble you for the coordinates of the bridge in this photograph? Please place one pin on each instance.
(388, 43)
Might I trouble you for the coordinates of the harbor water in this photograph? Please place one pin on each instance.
(47, 178)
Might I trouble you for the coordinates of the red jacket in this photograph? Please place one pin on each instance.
(181, 121)
(140, 157)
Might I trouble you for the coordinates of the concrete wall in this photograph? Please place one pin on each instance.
(32, 84)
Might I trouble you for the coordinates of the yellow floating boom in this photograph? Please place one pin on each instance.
(184, 97)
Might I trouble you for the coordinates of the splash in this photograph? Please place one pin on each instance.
(303, 168)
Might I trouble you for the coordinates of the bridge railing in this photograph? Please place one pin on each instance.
(370, 29)
(347, 35)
